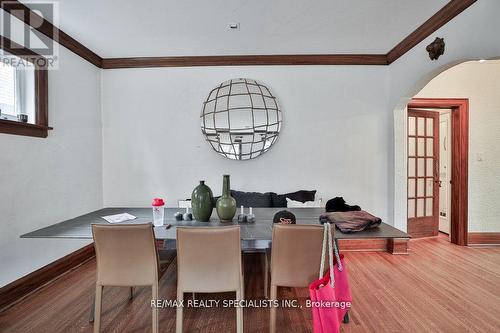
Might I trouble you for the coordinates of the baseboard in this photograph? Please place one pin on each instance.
(483, 238)
(17, 290)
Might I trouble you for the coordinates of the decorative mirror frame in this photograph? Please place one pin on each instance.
(243, 96)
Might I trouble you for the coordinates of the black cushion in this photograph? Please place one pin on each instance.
(252, 199)
(338, 204)
(279, 200)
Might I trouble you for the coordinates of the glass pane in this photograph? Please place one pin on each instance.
(421, 167)
(430, 127)
(411, 147)
(421, 147)
(411, 167)
(421, 126)
(428, 207)
(420, 207)
(411, 188)
(411, 126)
(411, 208)
(429, 187)
(420, 187)
(430, 167)
(430, 146)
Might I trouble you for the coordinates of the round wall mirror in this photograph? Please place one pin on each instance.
(241, 119)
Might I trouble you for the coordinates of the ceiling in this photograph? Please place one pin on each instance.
(126, 28)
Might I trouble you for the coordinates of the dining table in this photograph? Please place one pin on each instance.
(255, 236)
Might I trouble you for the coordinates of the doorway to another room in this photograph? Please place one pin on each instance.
(437, 138)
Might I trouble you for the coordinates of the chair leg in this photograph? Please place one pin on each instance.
(266, 275)
(97, 308)
(131, 296)
(346, 318)
(272, 313)
(92, 310)
(178, 314)
(154, 292)
(239, 312)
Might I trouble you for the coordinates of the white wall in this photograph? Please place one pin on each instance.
(480, 83)
(337, 137)
(45, 181)
(334, 139)
(471, 35)
(338, 134)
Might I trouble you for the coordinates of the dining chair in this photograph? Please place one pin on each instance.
(209, 261)
(295, 259)
(126, 255)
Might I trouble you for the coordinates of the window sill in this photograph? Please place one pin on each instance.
(26, 129)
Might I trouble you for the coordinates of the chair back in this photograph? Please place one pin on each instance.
(208, 259)
(126, 254)
(296, 254)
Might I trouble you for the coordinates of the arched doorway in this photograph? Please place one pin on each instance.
(478, 81)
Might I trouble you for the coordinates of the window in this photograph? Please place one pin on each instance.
(16, 93)
(23, 93)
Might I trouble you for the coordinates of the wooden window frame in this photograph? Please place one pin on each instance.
(41, 126)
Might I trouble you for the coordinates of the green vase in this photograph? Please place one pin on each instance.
(202, 202)
(226, 204)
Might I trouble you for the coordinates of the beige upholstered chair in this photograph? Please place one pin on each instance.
(209, 261)
(295, 259)
(126, 255)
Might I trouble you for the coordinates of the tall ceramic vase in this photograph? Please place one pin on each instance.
(202, 202)
(226, 204)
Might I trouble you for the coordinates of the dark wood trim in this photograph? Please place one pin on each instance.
(42, 98)
(41, 126)
(14, 7)
(25, 129)
(484, 238)
(17, 290)
(246, 60)
(459, 161)
(443, 16)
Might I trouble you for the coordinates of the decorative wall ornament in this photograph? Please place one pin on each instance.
(436, 48)
(241, 119)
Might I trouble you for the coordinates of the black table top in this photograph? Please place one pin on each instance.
(254, 235)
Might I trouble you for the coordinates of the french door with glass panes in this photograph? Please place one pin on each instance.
(423, 173)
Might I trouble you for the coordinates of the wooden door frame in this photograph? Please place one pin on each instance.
(459, 161)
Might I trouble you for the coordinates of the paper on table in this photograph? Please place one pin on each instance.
(119, 218)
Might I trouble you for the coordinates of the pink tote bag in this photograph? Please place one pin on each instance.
(330, 294)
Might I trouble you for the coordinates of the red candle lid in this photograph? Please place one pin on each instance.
(158, 202)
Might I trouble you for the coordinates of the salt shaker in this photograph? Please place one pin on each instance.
(242, 217)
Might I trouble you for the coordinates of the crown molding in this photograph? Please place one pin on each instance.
(443, 16)
(247, 60)
(14, 8)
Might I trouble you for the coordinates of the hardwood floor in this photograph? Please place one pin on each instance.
(439, 287)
